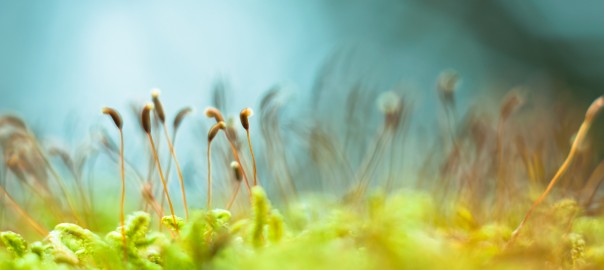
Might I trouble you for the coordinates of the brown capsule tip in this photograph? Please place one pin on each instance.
(13, 121)
(214, 130)
(180, 116)
(593, 110)
(65, 157)
(212, 112)
(389, 102)
(236, 170)
(244, 115)
(147, 193)
(447, 83)
(230, 130)
(155, 93)
(511, 103)
(159, 109)
(115, 116)
(146, 117)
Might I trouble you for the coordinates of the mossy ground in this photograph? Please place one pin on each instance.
(400, 231)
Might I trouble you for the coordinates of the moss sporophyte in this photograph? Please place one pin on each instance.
(491, 193)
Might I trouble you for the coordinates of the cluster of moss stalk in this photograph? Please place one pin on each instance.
(374, 231)
(192, 245)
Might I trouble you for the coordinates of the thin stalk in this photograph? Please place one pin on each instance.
(211, 135)
(180, 178)
(37, 227)
(62, 186)
(123, 198)
(209, 203)
(367, 163)
(232, 199)
(249, 142)
(236, 156)
(161, 176)
(593, 183)
(563, 168)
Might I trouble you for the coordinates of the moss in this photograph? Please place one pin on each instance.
(260, 209)
(174, 223)
(399, 231)
(276, 228)
(14, 243)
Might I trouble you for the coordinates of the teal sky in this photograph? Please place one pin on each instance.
(60, 61)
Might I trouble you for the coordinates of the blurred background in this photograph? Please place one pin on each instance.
(60, 61)
(324, 65)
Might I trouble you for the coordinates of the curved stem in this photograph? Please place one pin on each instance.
(236, 156)
(161, 176)
(232, 200)
(563, 168)
(59, 181)
(209, 203)
(123, 199)
(32, 222)
(249, 142)
(180, 178)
